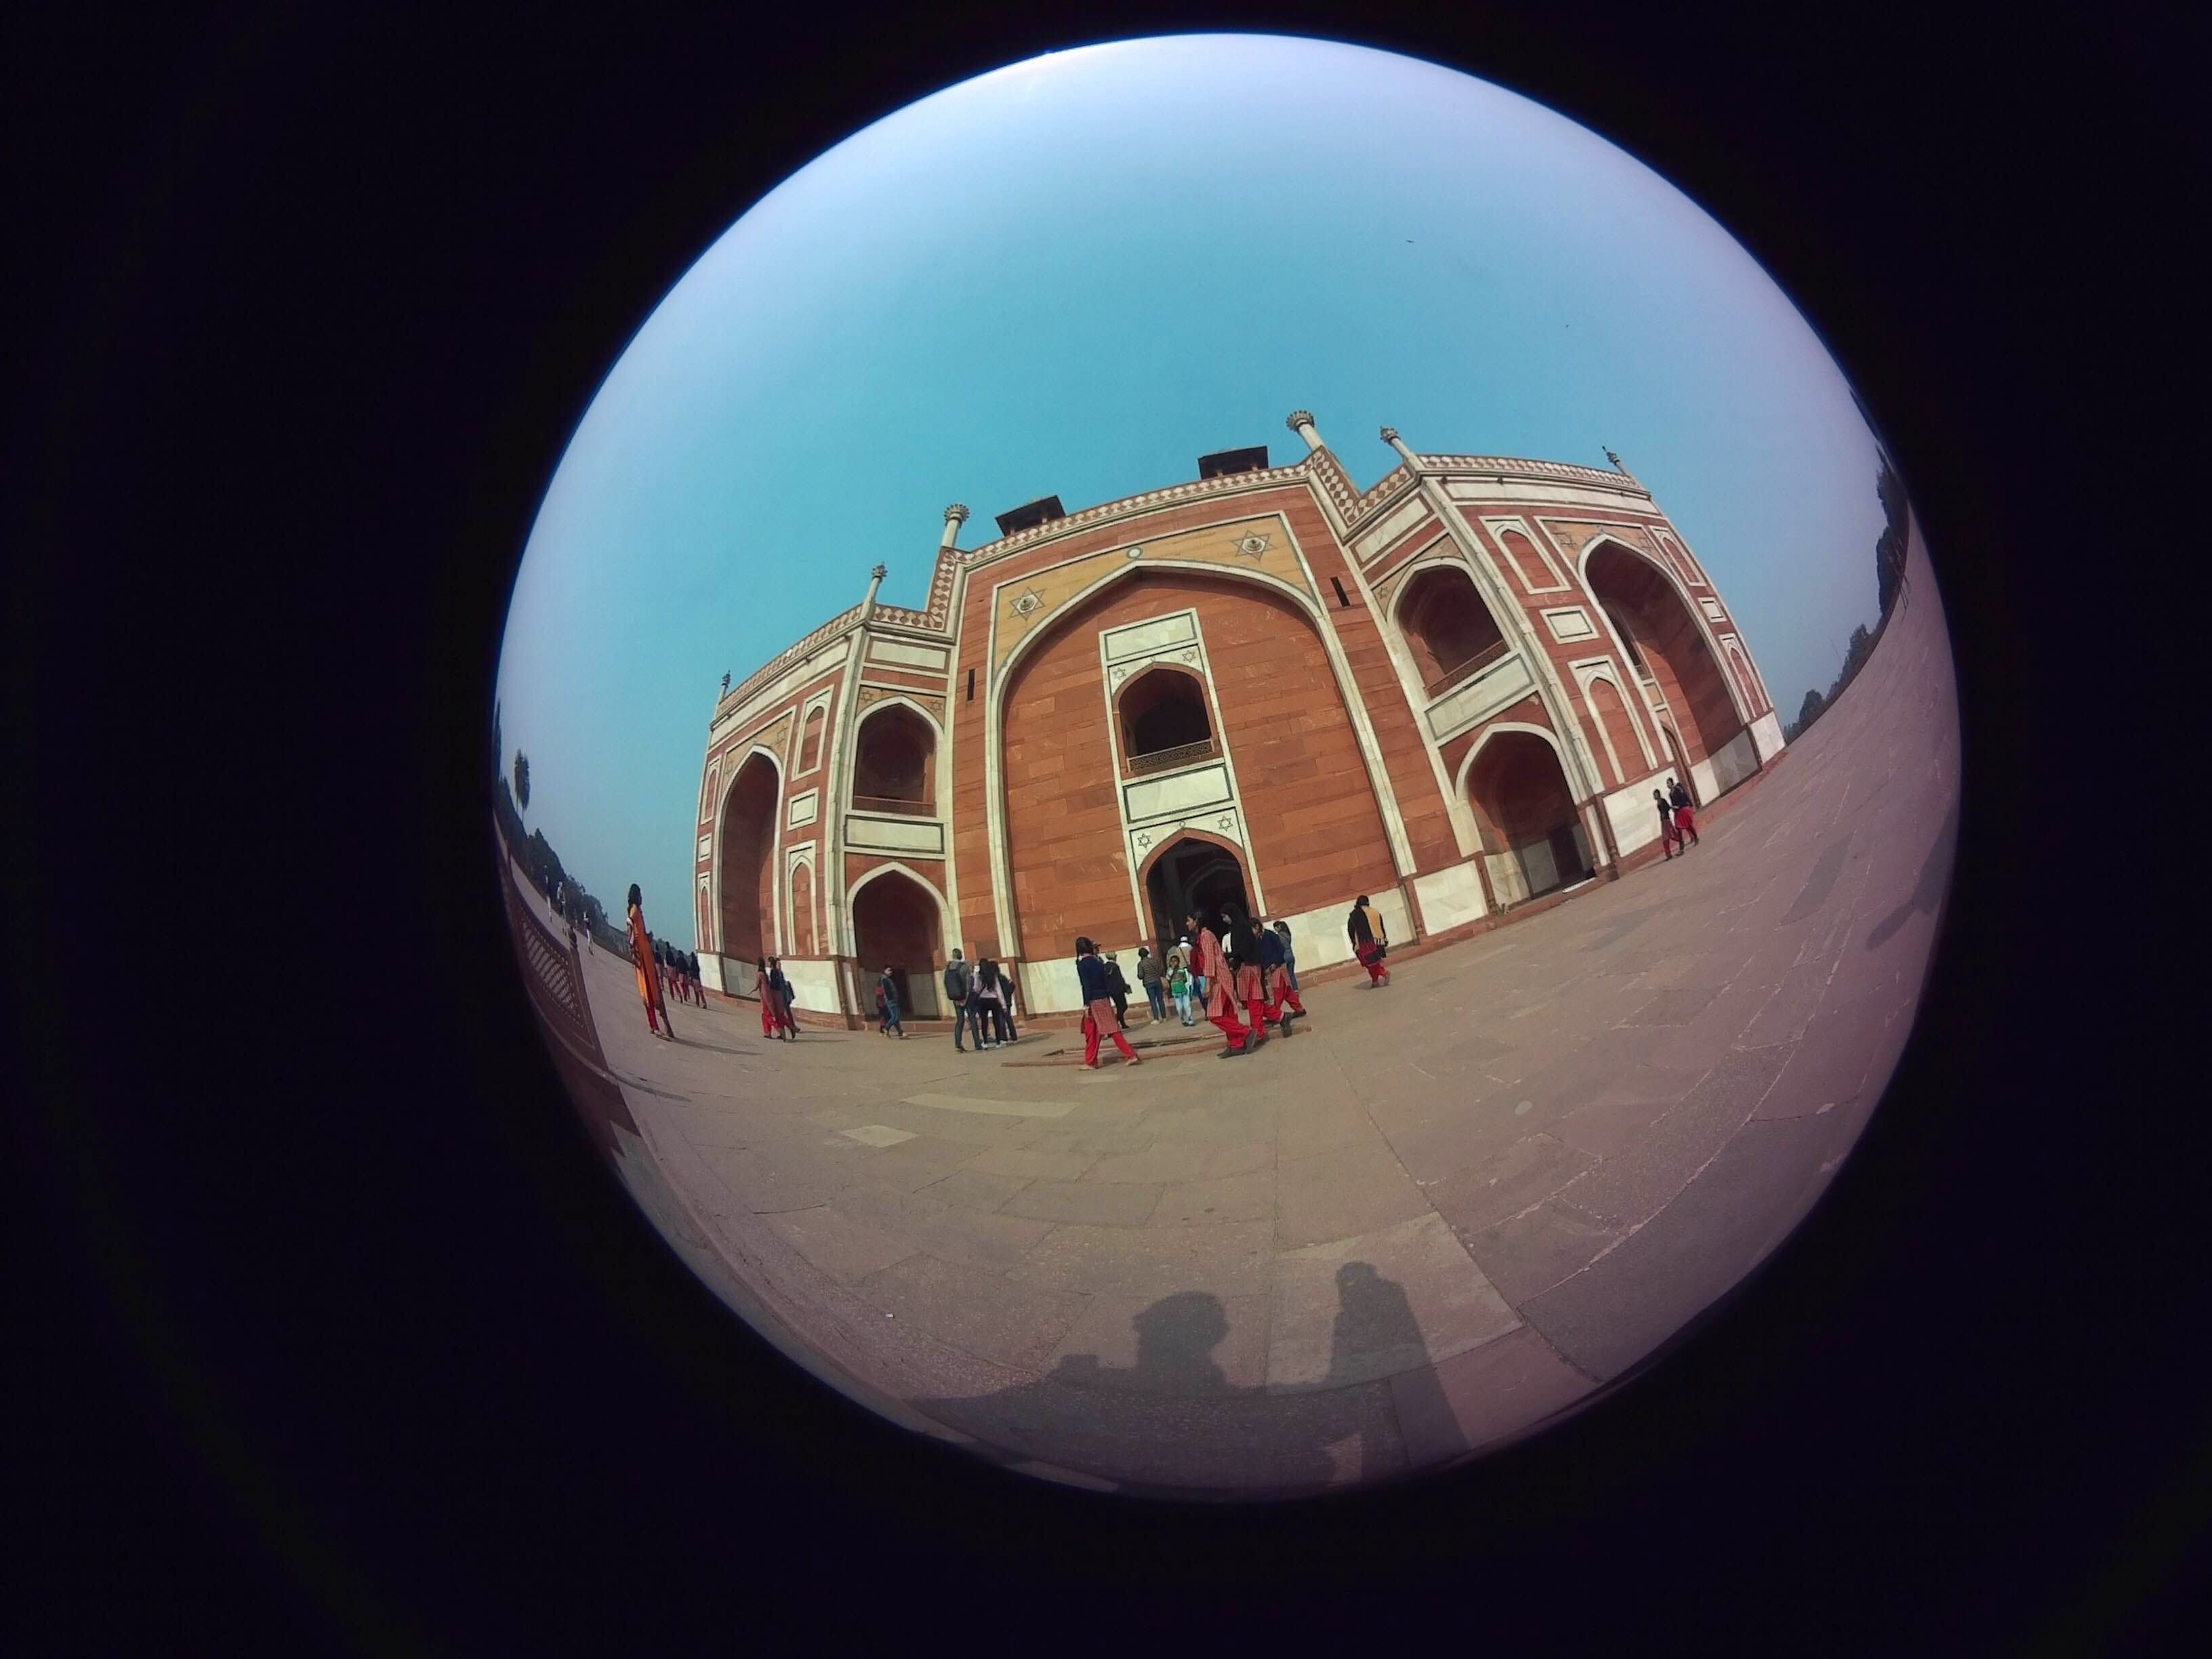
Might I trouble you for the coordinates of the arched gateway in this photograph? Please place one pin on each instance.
(1267, 685)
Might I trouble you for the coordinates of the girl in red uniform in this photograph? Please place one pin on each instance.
(1242, 943)
(1220, 987)
(1099, 1014)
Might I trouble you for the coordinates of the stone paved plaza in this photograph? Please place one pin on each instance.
(1440, 1214)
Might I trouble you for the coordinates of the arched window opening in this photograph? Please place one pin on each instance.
(895, 764)
(810, 743)
(1534, 575)
(802, 910)
(1164, 720)
(1450, 631)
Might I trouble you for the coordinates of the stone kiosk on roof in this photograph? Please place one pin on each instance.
(1454, 693)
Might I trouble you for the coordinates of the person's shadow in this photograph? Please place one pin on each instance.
(1376, 1336)
(1173, 1420)
(1928, 891)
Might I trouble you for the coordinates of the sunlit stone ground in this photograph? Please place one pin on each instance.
(1438, 1214)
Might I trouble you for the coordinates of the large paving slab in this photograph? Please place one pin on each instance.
(1437, 1215)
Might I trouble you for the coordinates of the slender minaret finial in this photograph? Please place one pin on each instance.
(1302, 423)
(1390, 437)
(1615, 459)
(955, 516)
(875, 580)
(725, 684)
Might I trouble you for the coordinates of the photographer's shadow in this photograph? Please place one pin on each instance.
(1173, 1419)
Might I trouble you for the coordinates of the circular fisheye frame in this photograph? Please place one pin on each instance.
(1277, 961)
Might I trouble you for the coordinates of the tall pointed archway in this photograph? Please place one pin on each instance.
(744, 863)
(1192, 876)
(897, 925)
(1534, 842)
(1667, 648)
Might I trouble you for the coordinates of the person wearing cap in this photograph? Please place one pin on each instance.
(1148, 975)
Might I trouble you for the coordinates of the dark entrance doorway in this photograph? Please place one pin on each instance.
(1192, 875)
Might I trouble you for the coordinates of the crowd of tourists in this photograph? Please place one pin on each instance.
(1241, 974)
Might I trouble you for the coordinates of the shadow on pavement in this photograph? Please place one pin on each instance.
(1928, 892)
(1173, 1423)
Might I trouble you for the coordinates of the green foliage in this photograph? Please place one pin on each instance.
(1808, 712)
(1889, 546)
(522, 779)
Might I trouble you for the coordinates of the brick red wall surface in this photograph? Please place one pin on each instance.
(1314, 830)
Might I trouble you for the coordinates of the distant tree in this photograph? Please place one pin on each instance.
(1889, 546)
(1860, 647)
(498, 749)
(1808, 712)
(521, 780)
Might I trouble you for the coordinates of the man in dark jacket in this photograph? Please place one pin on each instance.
(1668, 835)
(959, 990)
(1118, 988)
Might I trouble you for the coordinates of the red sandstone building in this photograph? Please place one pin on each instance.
(1454, 692)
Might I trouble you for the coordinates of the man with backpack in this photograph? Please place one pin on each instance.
(1118, 988)
(959, 992)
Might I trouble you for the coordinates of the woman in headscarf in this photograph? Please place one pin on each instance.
(785, 997)
(1220, 1003)
(1370, 941)
(1242, 942)
(648, 971)
(1283, 1004)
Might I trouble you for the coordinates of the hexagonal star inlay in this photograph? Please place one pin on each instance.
(1026, 602)
(1255, 545)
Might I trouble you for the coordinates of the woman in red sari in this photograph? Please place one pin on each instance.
(1220, 990)
(648, 971)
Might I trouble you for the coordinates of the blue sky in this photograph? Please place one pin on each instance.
(1075, 276)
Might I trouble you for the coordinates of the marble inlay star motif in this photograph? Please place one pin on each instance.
(1026, 602)
(1253, 546)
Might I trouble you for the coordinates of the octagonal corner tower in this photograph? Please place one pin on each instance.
(1454, 693)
